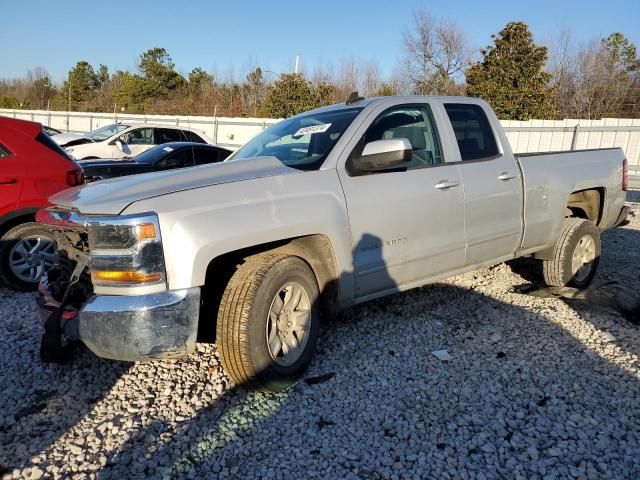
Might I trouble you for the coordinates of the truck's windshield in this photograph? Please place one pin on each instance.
(300, 142)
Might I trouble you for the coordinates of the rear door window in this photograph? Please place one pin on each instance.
(206, 155)
(190, 136)
(166, 135)
(181, 159)
(473, 131)
(46, 140)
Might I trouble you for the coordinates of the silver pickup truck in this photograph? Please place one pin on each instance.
(321, 211)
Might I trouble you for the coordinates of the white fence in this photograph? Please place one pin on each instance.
(232, 132)
(529, 136)
(554, 135)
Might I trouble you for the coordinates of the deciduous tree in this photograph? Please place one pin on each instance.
(595, 79)
(436, 53)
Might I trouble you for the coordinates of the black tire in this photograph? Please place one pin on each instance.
(558, 271)
(241, 329)
(7, 243)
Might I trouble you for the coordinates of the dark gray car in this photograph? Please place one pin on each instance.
(167, 156)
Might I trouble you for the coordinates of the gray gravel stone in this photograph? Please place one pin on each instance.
(537, 388)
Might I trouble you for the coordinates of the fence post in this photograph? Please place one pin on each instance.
(91, 122)
(574, 140)
(215, 130)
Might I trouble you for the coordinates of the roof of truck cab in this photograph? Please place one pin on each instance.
(365, 102)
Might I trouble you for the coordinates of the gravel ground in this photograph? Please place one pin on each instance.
(536, 389)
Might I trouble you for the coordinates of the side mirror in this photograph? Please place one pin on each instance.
(383, 154)
(118, 143)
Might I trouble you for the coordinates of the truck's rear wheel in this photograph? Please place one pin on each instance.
(268, 321)
(575, 255)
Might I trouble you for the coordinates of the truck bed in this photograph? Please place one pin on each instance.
(549, 178)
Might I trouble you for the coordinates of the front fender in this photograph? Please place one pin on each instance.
(201, 224)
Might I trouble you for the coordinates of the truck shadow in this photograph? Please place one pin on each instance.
(527, 375)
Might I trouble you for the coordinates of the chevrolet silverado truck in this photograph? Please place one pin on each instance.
(324, 210)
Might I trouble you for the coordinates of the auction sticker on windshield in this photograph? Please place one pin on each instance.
(323, 127)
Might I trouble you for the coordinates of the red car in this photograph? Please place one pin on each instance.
(32, 168)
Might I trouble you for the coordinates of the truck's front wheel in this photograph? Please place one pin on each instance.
(575, 255)
(268, 321)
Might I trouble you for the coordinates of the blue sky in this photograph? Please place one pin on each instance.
(239, 33)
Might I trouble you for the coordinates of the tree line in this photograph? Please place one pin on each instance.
(519, 78)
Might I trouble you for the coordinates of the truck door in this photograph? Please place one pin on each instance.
(406, 224)
(492, 184)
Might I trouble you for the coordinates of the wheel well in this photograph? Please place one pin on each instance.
(316, 250)
(587, 204)
(15, 221)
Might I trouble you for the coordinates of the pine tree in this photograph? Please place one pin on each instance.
(510, 76)
(81, 83)
(158, 72)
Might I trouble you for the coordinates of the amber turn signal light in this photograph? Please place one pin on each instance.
(102, 276)
(146, 231)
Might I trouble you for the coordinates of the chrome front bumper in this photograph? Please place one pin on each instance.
(142, 327)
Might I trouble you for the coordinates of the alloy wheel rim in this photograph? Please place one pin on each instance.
(31, 257)
(288, 324)
(583, 258)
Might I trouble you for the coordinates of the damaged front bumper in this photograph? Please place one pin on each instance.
(132, 328)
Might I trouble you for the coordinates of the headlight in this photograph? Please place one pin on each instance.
(126, 250)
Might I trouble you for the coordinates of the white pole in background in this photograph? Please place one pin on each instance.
(295, 70)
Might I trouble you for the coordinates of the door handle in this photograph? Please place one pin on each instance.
(7, 180)
(446, 184)
(504, 176)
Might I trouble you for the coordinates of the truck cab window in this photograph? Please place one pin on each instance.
(415, 123)
(473, 131)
